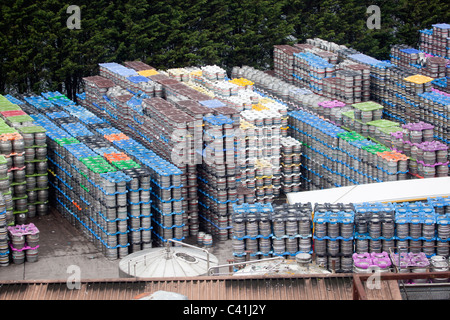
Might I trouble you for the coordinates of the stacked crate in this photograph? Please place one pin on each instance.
(95, 87)
(117, 73)
(247, 169)
(88, 190)
(428, 157)
(329, 109)
(13, 184)
(364, 72)
(332, 156)
(20, 158)
(36, 165)
(432, 159)
(9, 159)
(262, 122)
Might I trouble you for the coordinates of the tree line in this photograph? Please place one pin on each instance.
(38, 52)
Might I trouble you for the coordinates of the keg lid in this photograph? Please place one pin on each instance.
(303, 257)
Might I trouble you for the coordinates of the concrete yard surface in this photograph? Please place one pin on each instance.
(65, 252)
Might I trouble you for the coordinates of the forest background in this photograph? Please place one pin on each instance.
(38, 52)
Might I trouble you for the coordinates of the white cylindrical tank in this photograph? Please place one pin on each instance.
(167, 262)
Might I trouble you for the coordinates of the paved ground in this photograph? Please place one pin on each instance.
(62, 246)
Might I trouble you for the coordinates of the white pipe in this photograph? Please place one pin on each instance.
(242, 263)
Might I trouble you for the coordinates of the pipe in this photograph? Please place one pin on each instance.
(243, 263)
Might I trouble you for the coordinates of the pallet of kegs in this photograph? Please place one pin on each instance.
(417, 132)
(4, 248)
(138, 65)
(436, 40)
(392, 166)
(345, 86)
(439, 263)
(410, 262)
(24, 243)
(334, 235)
(359, 156)
(276, 88)
(442, 233)
(416, 227)
(91, 191)
(378, 73)
(218, 173)
(441, 205)
(283, 58)
(423, 63)
(175, 130)
(374, 227)
(36, 165)
(13, 149)
(166, 191)
(435, 108)
(139, 207)
(291, 151)
(217, 195)
(292, 229)
(328, 109)
(6, 193)
(367, 262)
(323, 44)
(430, 159)
(441, 84)
(117, 73)
(310, 129)
(405, 56)
(252, 231)
(95, 88)
(329, 56)
(396, 96)
(364, 72)
(172, 128)
(368, 111)
(380, 131)
(310, 70)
